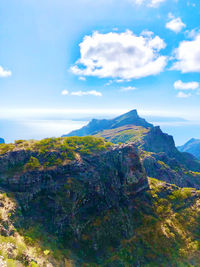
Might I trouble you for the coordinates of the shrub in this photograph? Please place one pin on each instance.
(33, 164)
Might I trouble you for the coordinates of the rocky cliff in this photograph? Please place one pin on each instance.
(161, 158)
(69, 197)
(83, 202)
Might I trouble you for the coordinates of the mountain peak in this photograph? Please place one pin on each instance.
(95, 125)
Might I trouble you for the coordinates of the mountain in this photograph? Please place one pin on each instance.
(192, 147)
(130, 118)
(82, 201)
(2, 141)
(161, 159)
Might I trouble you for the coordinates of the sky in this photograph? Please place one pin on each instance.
(64, 62)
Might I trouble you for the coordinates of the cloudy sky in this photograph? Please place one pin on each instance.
(86, 57)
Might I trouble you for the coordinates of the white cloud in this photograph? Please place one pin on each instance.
(175, 24)
(120, 55)
(179, 85)
(4, 73)
(128, 88)
(151, 3)
(188, 56)
(82, 78)
(65, 92)
(82, 93)
(193, 33)
(183, 95)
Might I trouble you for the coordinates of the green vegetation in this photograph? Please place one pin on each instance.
(4, 148)
(125, 134)
(32, 164)
(165, 223)
(21, 248)
(83, 145)
(169, 236)
(52, 152)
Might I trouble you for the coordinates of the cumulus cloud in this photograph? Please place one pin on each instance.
(183, 95)
(128, 88)
(4, 73)
(82, 93)
(188, 56)
(64, 92)
(120, 56)
(179, 85)
(175, 24)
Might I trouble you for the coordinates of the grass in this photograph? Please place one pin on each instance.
(83, 145)
(51, 152)
(124, 134)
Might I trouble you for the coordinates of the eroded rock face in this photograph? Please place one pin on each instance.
(68, 196)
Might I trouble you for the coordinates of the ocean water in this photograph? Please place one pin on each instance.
(12, 130)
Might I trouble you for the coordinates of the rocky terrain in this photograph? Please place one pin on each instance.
(97, 208)
(92, 202)
(161, 158)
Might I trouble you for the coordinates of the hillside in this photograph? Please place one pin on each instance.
(192, 147)
(98, 208)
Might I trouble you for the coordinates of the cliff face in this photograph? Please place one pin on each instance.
(118, 167)
(68, 199)
(84, 202)
(161, 159)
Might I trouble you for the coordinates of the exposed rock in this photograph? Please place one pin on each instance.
(79, 189)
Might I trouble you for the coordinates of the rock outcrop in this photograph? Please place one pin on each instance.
(68, 198)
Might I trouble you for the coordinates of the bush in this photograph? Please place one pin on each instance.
(33, 164)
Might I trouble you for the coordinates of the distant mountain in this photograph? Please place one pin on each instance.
(95, 126)
(2, 141)
(192, 147)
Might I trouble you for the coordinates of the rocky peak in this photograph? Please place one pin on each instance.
(95, 126)
(157, 141)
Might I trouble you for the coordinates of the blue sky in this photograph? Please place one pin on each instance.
(133, 54)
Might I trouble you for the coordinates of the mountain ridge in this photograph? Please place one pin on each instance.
(192, 146)
(96, 125)
(160, 157)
